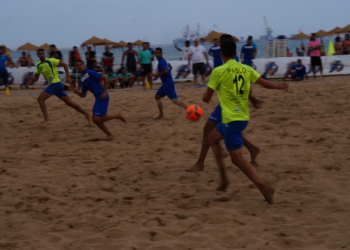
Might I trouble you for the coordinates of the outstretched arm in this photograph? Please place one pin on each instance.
(163, 72)
(208, 95)
(177, 48)
(34, 78)
(272, 85)
(66, 69)
(81, 94)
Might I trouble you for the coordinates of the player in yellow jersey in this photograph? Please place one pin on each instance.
(232, 82)
(48, 68)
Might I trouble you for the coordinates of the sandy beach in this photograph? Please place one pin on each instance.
(59, 190)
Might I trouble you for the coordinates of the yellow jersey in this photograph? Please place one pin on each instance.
(232, 82)
(48, 69)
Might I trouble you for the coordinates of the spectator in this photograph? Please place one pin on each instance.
(299, 53)
(145, 61)
(90, 57)
(185, 49)
(73, 56)
(314, 47)
(297, 72)
(3, 70)
(112, 78)
(97, 68)
(249, 52)
(107, 59)
(30, 59)
(151, 50)
(254, 45)
(131, 62)
(7, 52)
(55, 53)
(338, 47)
(23, 61)
(126, 79)
(197, 54)
(346, 45)
(214, 51)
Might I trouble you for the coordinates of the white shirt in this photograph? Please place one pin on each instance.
(197, 54)
(186, 51)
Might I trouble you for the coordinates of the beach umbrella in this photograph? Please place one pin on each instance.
(333, 31)
(93, 41)
(45, 46)
(321, 33)
(214, 34)
(120, 44)
(28, 46)
(138, 43)
(345, 29)
(301, 36)
(105, 41)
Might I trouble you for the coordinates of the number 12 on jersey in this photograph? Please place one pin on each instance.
(238, 83)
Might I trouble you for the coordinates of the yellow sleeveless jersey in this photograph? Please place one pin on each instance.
(48, 69)
(232, 82)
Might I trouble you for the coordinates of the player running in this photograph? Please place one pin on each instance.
(232, 82)
(214, 120)
(48, 68)
(168, 85)
(91, 81)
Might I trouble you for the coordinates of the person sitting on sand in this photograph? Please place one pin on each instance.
(297, 72)
(48, 68)
(168, 85)
(126, 79)
(232, 81)
(91, 82)
(112, 78)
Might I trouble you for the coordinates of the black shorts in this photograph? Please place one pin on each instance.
(131, 68)
(346, 52)
(147, 68)
(107, 68)
(4, 77)
(198, 67)
(316, 61)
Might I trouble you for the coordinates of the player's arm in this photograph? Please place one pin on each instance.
(34, 78)
(122, 63)
(106, 84)
(81, 94)
(208, 95)
(206, 56)
(163, 72)
(210, 53)
(66, 69)
(271, 85)
(177, 48)
(189, 59)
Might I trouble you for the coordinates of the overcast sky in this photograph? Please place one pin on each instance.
(70, 22)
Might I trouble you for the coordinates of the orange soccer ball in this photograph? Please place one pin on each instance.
(194, 112)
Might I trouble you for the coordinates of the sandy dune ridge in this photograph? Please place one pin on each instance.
(60, 191)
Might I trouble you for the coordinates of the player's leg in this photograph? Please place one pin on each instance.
(143, 76)
(4, 77)
(67, 100)
(249, 170)
(161, 92)
(320, 65)
(171, 93)
(101, 125)
(195, 72)
(199, 165)
(150, 78)
(41, 100)
(313, 67)
(131, 82)
(202, 73)
(214, 139)
(253, 150)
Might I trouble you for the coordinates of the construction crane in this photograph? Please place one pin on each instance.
(268, 30)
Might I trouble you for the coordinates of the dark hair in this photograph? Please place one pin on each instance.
(52, 45)
(144, 43)
(24, 53)
(299, 60)
(228, 48)
(2, 47)
(188, 41)
(129, 43)
(40, 50)
(225, 37)
(122, 68)
(74, 47)
(337, 39)
(79, 61)
(313, 34)
(160, 49)
(215, 39)
(346, 35)
(250, 38)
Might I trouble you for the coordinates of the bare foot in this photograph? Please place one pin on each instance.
(44, 123)
(122, 118)
(160, 117)
(254, 155)
(269, 195)
(223, 186)
(89, 119)
(195, 168)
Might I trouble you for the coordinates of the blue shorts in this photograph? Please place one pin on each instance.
(169, 91)
(101, 106)
(216, 115)
(248, 62)
(56, 89)
(232, 133)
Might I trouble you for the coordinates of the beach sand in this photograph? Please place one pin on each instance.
(61, 191)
